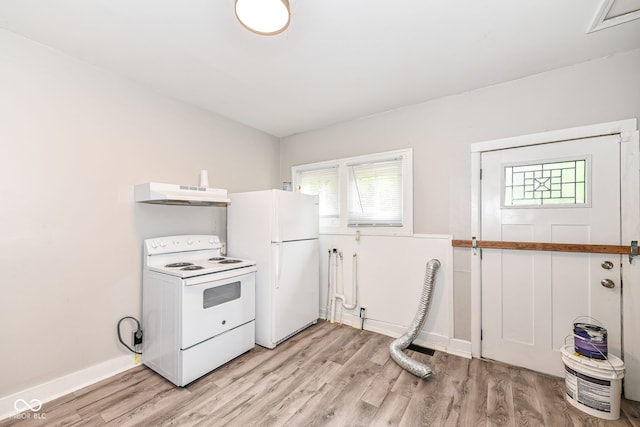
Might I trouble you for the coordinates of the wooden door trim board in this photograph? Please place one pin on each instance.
(541, 246)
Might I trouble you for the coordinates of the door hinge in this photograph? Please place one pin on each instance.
(481, 173)
(480, 334)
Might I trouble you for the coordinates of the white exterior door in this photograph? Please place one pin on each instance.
(530, 298)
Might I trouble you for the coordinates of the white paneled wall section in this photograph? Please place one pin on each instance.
(390, 277)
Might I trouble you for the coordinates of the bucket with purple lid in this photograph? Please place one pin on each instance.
(590, 340)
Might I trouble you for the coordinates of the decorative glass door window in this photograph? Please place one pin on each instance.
(541, 184)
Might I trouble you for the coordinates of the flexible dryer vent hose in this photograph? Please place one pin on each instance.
(395, 348)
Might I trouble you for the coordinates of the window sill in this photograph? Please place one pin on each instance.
(367, 231)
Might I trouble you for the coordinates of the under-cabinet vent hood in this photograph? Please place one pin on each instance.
(174, 194)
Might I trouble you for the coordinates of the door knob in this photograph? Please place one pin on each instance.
(607, 283)
(607, 265)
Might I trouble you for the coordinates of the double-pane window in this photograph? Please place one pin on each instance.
(372, 193)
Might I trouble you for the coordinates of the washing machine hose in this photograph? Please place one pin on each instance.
(395, 348)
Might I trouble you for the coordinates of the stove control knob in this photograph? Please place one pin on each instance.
(163, 243)
(154, 245)
(212, 240)
(189, 242)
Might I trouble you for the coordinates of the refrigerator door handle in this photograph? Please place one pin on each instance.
(278, 263)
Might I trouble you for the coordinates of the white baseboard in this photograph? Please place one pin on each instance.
(460, 348)
(437, 342)
(51, 390)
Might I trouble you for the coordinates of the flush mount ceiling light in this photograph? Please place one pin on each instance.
(265, 17)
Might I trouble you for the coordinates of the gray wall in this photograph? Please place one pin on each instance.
(441, 131)
(73, 142)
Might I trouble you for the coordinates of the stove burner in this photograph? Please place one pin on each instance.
(230, 261)
(178, 264)
(192, 267)
(217, 258)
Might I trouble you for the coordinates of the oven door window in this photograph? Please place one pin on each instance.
(211, 306)
(221, 294)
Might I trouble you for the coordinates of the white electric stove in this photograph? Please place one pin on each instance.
(198, 307)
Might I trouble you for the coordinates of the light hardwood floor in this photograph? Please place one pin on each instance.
(328, 375)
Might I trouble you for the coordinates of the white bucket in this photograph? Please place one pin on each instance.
(593, 386)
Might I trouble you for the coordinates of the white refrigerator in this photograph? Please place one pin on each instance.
(279, 230)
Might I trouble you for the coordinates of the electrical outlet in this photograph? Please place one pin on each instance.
(223, 248)
(363, 312)
(136, 338)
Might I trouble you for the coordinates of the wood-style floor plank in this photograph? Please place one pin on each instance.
(314, 407)
(631, 411)
(473, 392)
(432, 399)
(500, 409)
(328, 375)
(294, 402)
(555, 410)
(527, 406)
(391, 410)
(382, 384)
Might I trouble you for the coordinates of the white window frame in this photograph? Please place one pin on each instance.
(340, 225)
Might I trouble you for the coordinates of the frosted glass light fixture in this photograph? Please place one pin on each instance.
(266, 17)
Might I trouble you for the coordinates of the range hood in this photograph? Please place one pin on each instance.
(175, 194)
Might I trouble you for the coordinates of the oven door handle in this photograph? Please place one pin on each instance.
(277, 255)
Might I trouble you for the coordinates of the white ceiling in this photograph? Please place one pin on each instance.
(338, 60)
